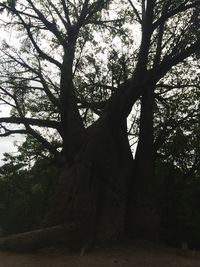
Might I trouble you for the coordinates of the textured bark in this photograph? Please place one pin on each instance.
(144, 220)
(93, 190)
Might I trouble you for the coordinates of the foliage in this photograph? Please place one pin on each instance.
(24, 194)
(178, 200)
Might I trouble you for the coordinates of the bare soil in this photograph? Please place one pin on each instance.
(137, 254)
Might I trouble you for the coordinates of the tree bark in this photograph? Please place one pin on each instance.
(143, 218)
(93, 191)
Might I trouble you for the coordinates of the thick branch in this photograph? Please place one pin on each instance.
(84, 12)
(141, 67)
(34, 122)
(28, 130)
(172, 60)
(44, 142)
(66, 11)
(120, 104)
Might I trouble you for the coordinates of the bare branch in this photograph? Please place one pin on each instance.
(135, 11)
(51, 26)
(66, 25)
(66, 11)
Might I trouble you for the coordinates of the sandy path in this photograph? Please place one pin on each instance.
(129, 256)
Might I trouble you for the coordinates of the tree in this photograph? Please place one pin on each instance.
(54, 81)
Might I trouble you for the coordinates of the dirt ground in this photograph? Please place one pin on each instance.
(139, 254)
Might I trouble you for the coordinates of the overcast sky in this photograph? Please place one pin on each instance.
(7, 144)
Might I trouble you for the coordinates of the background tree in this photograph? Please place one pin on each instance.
(25, 193)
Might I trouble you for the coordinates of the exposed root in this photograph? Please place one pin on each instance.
(32, 240)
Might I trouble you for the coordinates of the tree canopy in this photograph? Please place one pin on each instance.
(82, 52)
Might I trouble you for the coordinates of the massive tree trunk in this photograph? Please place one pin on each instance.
(144, 219)
(93, 187)
(93, 190)
(95, 181)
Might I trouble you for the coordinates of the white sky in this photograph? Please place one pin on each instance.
(7, 144)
